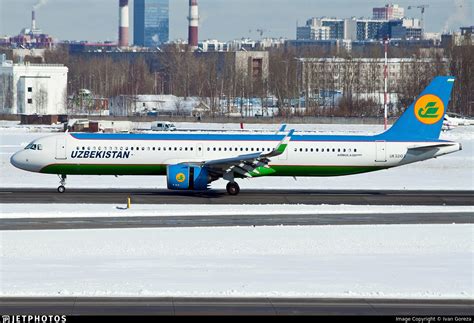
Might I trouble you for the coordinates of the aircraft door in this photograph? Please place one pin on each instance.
(380, 151)
(61, 148)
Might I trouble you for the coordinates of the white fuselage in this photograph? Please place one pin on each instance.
(66, 154)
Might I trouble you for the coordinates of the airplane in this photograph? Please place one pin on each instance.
(191, 161)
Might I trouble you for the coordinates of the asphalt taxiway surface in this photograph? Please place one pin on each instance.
(142, 196)
(232, 306)
(232, 220)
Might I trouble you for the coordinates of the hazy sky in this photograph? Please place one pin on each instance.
(97, 20)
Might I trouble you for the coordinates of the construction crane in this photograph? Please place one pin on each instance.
(422, 7)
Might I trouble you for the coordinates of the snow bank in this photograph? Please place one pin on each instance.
(380, 261)
(9, 211)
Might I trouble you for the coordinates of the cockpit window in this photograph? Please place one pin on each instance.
(34, 147)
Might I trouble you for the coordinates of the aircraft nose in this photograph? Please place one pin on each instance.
(14, 160)
(19, 160)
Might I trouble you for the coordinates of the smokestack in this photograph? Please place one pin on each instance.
(123, 23)
(193, 25)
(33, 20)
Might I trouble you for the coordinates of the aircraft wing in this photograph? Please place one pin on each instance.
(248, 165)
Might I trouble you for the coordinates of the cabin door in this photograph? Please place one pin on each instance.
(381, 151)
(61, 148)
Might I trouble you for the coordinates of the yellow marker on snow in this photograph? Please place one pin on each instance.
(129, 202)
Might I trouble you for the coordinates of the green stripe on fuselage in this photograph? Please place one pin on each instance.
(280, 170)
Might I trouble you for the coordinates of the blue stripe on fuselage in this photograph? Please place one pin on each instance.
(232, 137)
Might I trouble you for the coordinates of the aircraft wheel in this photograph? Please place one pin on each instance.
(233, 188)
(61, 189)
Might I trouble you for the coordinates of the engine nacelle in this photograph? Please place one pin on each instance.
(186, 177)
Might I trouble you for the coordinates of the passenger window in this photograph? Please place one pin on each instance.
(355, 150)
(296, 149)
(192, 149)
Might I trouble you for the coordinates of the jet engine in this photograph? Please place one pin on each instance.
(187, 177)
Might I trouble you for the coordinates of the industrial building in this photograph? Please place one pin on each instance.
(32, 88)
(318, 74)
(389, 12)
(32, 37)
(359, 29)
(151, 22)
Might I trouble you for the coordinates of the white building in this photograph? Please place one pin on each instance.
(32, 88)
(389, 12)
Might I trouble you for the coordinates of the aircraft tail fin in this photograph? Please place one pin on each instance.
(424, 117)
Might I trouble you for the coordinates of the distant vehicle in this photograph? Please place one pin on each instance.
(163, 126)
(447, 125)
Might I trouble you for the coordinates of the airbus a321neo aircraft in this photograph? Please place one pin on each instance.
(191, 161)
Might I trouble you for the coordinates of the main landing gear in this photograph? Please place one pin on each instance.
(233, 188)
(62, 188)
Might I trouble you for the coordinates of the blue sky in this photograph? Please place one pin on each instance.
(97, 20)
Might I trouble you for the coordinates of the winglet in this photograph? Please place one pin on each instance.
(280, 149)
(282, 128)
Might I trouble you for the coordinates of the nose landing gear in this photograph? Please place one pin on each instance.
(233, 188)
(62, 188)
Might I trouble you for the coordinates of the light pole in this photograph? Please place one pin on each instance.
(385, 76)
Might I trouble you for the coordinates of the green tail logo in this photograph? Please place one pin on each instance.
(430, 111)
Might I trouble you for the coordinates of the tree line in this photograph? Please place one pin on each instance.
(292, 85)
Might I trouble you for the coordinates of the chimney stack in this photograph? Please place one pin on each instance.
(123, 23)
(33, 20)
(193, 25)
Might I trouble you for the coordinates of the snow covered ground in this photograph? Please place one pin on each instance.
(384, 261)
(451, 172)
(10, 211)
(380, 261)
